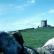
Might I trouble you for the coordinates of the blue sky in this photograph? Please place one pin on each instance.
(21, 14)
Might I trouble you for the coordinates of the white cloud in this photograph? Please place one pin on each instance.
(47, 12)
(19, 8)
(16, 7)
(19, 24)
(8, 8)
(51, 11)
(26, 23)
(31, 1)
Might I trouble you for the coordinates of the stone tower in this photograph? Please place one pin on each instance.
(43, 23)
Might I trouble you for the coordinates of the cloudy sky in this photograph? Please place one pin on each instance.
(20, 14)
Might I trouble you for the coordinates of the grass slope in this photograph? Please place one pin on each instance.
(37, 37)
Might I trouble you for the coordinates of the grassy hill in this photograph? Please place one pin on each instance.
(37, 37)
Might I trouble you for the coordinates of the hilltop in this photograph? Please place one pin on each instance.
(37, 37)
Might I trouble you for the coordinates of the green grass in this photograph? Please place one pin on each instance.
(37, 37)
